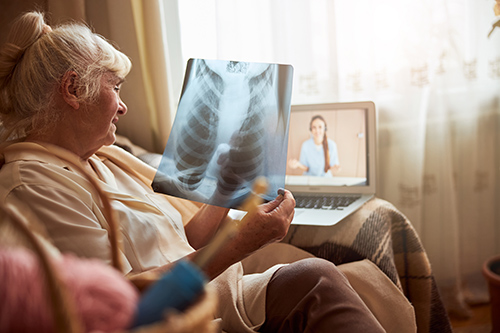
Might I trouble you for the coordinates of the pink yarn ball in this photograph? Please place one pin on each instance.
(22, 299)
(105, 300)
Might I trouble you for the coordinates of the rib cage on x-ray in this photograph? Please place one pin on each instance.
(246, 157)
(230, 128)
(196, 143)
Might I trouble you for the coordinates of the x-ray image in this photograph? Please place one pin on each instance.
(231, 127)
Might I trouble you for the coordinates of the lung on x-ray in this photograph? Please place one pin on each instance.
(231, 127)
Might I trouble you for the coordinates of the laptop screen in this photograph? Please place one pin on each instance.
(331, 148)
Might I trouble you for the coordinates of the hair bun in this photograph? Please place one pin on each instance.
(9, 57)
(25, 31)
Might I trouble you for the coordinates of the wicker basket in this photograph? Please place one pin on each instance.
(197, 318)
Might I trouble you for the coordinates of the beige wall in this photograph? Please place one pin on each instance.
(343, 127)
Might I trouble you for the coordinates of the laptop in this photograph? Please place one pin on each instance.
(327, 193)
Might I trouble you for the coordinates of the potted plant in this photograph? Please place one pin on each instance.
(491, 271)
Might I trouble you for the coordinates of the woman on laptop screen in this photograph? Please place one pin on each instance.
(318, 155)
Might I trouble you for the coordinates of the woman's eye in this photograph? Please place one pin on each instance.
(117, 88)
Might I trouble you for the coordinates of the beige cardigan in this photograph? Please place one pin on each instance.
(151, 223)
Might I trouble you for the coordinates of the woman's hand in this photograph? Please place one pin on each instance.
(295, 164)
(335, 168)
(268, 224)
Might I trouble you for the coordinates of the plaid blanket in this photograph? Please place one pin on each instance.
(382, 234)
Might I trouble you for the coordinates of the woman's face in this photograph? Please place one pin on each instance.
(318, 130)
(103, 114)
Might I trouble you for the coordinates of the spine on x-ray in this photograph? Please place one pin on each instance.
(196, 143)
(246, 155)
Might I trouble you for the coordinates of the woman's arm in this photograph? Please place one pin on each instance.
(268, 224)
(202, 227)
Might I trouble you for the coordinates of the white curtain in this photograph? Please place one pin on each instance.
(434, 75)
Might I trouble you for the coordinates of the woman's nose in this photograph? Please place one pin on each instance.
(122, 108)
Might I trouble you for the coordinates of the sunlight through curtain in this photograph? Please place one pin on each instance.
(434, 75)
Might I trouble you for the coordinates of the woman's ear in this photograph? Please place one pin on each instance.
(69, 89)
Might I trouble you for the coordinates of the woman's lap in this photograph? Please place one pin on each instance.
(312, 295)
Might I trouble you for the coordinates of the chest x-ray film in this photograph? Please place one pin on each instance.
(231, 127)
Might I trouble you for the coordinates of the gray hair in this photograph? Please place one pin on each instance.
(33, 62)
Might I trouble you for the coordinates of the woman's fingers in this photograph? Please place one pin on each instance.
(277, 214)
(283, 203)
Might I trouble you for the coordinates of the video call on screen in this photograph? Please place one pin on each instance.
(346, 137)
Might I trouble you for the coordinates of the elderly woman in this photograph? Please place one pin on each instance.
(61, 88)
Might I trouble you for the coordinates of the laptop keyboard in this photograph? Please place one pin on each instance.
(324, 201)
